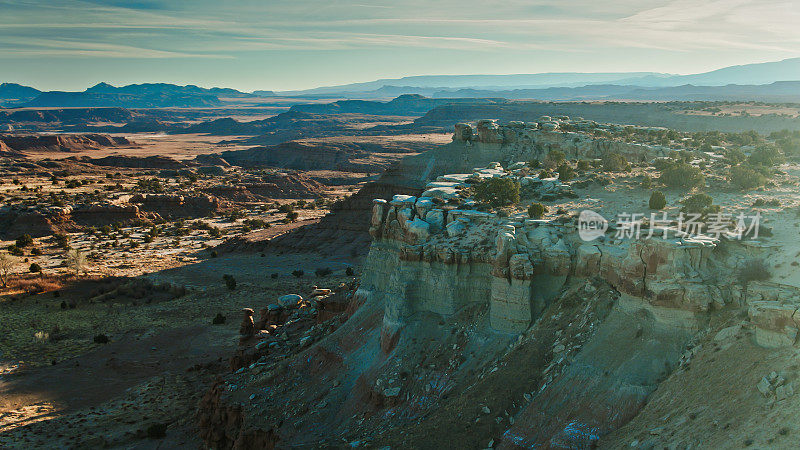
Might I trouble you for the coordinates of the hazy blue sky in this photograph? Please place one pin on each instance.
(289, 44)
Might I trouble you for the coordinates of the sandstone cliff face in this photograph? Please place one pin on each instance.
(439, 259)
(428, 257)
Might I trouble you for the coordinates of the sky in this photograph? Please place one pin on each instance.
(297, 44)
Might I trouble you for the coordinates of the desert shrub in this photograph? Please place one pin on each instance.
(285, 208)
(545, 174)
(657, 200)
(101, 339)
(149, 185)
(584, 165)
(565, 172)
(554, 158)
(256, 223)
(682, 175)
(273, 276)
(766, 155)
(292, 216)
(14, 250)
(647, 182)
(536, 210)
(235, 215)
(323, 272)
(615, 162)
(219, 319)
(62, 240)
(497, 191)
(36, 251)
(349, 272)
(298, 273)
(214, 254)
(35, 268)
(744, 177)
(230, 281)
(699, 204)
(24, 241)
(534, 164)
(735, 156)
(753, 270)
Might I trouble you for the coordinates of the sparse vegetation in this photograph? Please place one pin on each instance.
(744, 177)
(699, 204)
(565, 172)
(497, 192)
(536, 210)
(682, 175)
(753, 270)
(657, 200)
(615, 162)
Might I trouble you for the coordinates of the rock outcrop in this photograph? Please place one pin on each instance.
(61, 143)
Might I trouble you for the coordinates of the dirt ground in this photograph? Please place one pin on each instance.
(177, 146)
(161, 357)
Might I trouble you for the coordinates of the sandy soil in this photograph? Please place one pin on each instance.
(177, 146)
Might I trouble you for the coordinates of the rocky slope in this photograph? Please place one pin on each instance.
(474, 330)
(61, 143)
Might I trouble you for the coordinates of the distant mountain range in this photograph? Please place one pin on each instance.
(148, 95)
(440, 85)
(772, 81)
(777, 92)
(13, 92)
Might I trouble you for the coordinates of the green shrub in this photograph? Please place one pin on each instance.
(497, 192)
(735, 156)
(62, 240)
(657, 200)
(745, 177)
(536, 210)
(35, 268)
(584, 165)
(545, 174)
(565, 172)
(615, 162)
(682, 175)
(554, 158)
(298, 273)
(534, 163)
(699, 204)
(647, 182)
(753, 270)
(766, 155)
(24, 241)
